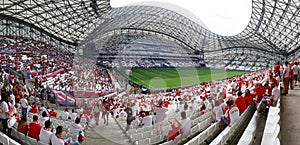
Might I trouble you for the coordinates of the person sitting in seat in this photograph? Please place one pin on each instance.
(65, 114)
(185, 125)
(52, 113)
(34, 128)
(23, 126)
(240, 102)
(45, 133)
(34, 109)
(44, 118)
(73, 115)
(56, 139)
(230, 116)
(75, 128)
(174, 132)
(147, 119)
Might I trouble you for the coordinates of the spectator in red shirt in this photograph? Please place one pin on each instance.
(277, 68)
(34, 109)
(23, 126)
(34, 128)
(240, 102)
(273, 80)
(225, 109)
(173, 133)
(166, 103)
(52, 113)
(248, 98)
(260, 91)
(268, 89)
(106, 111)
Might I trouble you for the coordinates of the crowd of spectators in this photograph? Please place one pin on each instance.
(227, 99)
(87, 75)
(35, 121)
(49, 67)
(128, 51)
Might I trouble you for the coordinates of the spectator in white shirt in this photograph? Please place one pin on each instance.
(4, 112)
(275, 94)
(43, 109)
(75, 128)
(65, 114)
(217, 111)
(96, 111)
(80, 111)
(73, 115)
(160, 115)
(45, 133)
(147, 120)
(295, 73)
(24, 105)
(123, 114)
(135, 110)
(193, 105)
(43, 119)
(185, 125)
(231, 115)
(84, 118)
(12, 98)
(56, 139)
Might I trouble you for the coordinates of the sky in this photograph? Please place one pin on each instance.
(225, 17)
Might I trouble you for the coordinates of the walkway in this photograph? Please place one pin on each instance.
(290, 118)
(105, 135)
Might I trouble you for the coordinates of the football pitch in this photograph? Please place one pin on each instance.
(163, 78)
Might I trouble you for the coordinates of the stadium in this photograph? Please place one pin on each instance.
(84, 72)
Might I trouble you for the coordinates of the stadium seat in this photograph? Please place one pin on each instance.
(273, 111)
(40, 143)
(278, 103)
(277, 141)
(246, 138)
(131, 131)
(270, 138)
(21, 136)
(273, 119)
(4, 139)
(193, 142)
(147, 134)
(143, 142)
(13, 142)
(168, 143)
(146, 128)
(31, 140)
(155, 139)
(219, 138)
(195, 129)
(136, 136)
(177, 139)
(14, 132)
(139, 130)
(201, 125)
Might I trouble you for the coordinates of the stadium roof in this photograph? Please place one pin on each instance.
(70, 20)
(273, 27)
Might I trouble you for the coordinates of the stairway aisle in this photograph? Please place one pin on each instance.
(106, 135)
(290, 117)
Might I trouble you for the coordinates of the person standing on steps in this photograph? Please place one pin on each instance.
(129, 119)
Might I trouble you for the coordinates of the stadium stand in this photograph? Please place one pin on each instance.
(272, 128)
(71, 53)
(143, 51)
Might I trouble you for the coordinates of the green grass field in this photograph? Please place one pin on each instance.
(163, 78)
